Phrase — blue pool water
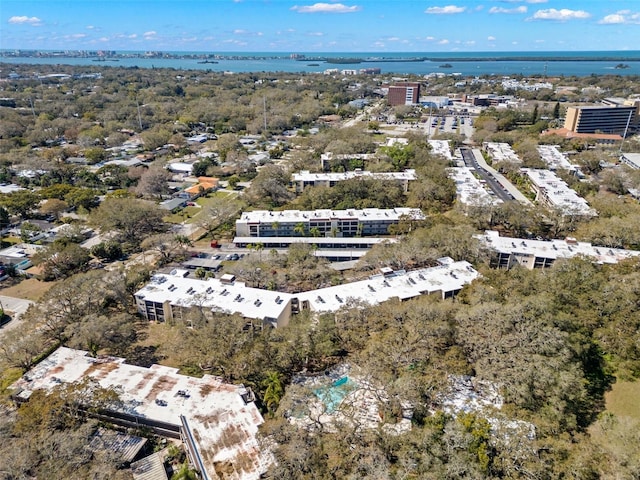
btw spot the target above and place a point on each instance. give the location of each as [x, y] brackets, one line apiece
[333, 395]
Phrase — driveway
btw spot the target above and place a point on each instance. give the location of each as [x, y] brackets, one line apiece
[16, 307]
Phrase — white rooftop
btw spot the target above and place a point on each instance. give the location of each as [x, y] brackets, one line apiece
[558, 193]
[555, 249]
[501, 152]
[217, 294]
[180, 167]
[631, 159]
[448, 277]
[223, 424]
[555, 159]
[441, 147]
[368, 214]
[231, 296]
[307, 176]
[469, 188]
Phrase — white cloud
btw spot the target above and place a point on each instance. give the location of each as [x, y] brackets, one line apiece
[24, 20]
[315, 34]
[240, 31]
[449, 9]
[89, 27]
[444, 41]
[75, 36]
[133, 35]
[621, 17]
[520, 9]
[491, 38]
[561, 15]
[393, 39]
[430, 38]
[326, 8]
[149, 34]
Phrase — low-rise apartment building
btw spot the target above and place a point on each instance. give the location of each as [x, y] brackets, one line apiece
[543, 253]
[170, 296]
[306, 179]
[554, 192]
[501, 152]
[556, 160]
[322, 223]
[218, 422]
[442, 148]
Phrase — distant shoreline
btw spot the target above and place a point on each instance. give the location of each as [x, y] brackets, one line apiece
[400, 63]
[342, 58]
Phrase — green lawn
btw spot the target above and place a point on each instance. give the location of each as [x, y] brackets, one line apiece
[190, 214]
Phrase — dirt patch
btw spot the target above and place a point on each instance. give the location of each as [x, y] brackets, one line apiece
[163, 384]
[31, 289]
[100, 370]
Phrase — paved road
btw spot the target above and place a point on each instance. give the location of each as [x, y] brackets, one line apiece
[470, 161]
[502, 187]
[15, 308]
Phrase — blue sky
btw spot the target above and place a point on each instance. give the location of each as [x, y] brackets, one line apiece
[321, 26]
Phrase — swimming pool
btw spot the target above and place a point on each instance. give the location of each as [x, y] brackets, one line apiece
[333, 395]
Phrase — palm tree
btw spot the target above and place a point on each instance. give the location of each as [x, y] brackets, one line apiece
[259, 247]
[274, 390]
[299, 229]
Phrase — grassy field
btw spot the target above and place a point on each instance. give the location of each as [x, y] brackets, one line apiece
[31, 289]
[622, 400]
[615, 432]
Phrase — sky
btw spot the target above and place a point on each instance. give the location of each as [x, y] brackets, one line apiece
[299, 26]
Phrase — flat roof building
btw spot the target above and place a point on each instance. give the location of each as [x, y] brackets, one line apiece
[306, 179]
[169, 296]
[404, 93]
[601, 119]
[326, 223]
[554, 192]
[543, 253]
[631, 160]
[501, 152]
[442, 148]
[556, 160]
[217, 421]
